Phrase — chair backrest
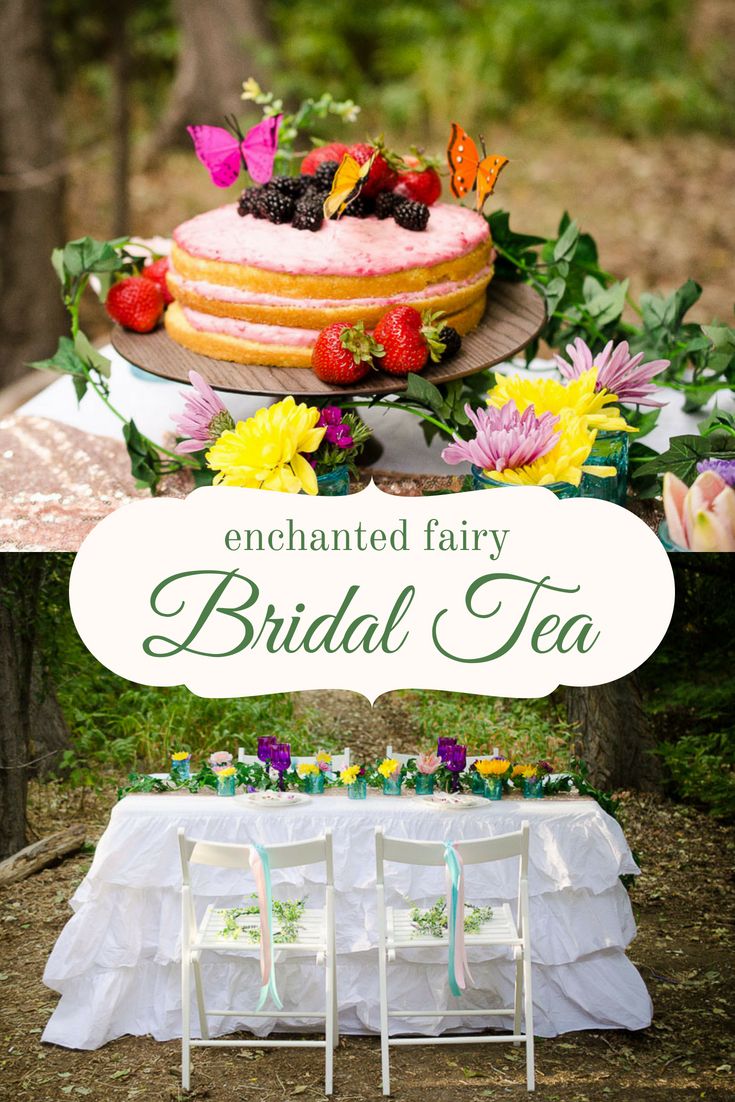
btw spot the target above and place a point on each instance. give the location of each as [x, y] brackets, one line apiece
[474, 851]
[233, 855]
[340, 759]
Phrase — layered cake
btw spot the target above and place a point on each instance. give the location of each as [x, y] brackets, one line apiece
[258, 291]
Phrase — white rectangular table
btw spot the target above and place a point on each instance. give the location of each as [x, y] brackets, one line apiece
[116, 963]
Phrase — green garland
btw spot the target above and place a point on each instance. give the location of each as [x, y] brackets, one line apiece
[287, 915]
[434, 921]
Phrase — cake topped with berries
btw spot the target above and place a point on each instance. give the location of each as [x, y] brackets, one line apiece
[256, 282]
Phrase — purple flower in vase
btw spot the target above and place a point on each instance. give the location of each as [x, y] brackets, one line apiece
[338, 431]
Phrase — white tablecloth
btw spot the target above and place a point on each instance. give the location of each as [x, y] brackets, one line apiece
[116, 963]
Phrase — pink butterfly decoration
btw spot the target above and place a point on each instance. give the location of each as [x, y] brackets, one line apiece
[222, 154]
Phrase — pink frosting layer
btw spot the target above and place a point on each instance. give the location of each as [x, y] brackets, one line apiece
[249, 331]
[222, 293]
[349, 246]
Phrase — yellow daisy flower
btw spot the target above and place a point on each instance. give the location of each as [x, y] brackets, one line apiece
[388, 767]
[307, 769]
[266, 452]
[349, 775]
[492, 767]
[181, 755]
[577, 397]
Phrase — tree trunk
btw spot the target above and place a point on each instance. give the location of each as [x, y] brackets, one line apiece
[218, 51]
[31, 192]
[20, 580]
[615, 738]
[120, 118]
[49, 732]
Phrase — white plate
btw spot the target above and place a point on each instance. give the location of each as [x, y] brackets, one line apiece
[272, 799]
[453, 801]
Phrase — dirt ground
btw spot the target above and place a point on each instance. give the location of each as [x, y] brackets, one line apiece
[684, 906]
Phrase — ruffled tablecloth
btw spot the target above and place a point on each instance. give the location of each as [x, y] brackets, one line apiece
[116, 963]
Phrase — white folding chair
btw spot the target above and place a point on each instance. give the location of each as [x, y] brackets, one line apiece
[316, 935]
[396, 931]
[340, 760]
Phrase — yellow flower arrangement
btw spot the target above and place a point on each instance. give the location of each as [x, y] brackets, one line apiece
[181, 755]
[266, 452]
[307, 769]
[323, 758]
[229, 771]
[492, 767]
[524, 771]
[388, 767]
[349, 775]
[582, 414]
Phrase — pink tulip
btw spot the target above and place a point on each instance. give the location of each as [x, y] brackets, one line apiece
[428, 763]
[702, 516]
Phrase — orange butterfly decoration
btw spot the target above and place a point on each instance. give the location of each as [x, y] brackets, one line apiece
[467, 170]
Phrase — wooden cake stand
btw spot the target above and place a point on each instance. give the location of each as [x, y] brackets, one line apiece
[514, 316]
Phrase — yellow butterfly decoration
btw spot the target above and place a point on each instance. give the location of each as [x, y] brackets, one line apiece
[346, 186]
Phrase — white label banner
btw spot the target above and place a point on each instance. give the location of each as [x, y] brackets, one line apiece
[236, 592]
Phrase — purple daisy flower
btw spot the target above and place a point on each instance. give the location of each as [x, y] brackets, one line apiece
[725, 468]
[338, 431]
[204, 417]
[618, 372]
[505, 438]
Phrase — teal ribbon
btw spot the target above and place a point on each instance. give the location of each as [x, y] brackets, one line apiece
[455, 871]
[268, 988]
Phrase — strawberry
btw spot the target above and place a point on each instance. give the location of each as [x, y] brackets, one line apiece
[408, 338]
[344, 353]
[335, 151]
[381, 176]
[135, 303]
[420, 184]
[157, 272]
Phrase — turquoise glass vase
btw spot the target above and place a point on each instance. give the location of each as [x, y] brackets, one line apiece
[335, 483]
[482, 481]
[424, 784]
[392, 786]
[226, 785]
[180, 770]
[493, 788]
[314, 783]
[358, 789]
[610, 449]
[666, 540]
[477, 783]
[533, 788]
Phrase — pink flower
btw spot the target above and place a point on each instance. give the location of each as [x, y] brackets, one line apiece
[623, 375]
[505, 438]
[220, 759]
[428, 763]
[203, 419]
[700, 517]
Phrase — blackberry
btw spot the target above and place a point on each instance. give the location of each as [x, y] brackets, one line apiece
[362, 207]
[256, 205]
[325, 173]
[385, 204]
[293, 186]
[246, 201]
[308, 214]
[411, 215]
[451, 340]
[314, 192]
[278, 207]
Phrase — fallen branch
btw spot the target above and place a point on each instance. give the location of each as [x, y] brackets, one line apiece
[39, 854]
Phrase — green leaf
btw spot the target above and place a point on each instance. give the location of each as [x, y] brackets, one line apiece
[144, 464]
[719, 420]
[554, 293]
[86, 255]
[57, 263]
[644, 422]
[94, 359]
[424, 392]
[566, 246]
[605, 304]
[684, 452]
[65, 360]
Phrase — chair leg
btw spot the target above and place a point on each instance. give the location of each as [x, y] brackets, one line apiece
[328, 1024]
[197, 970]
[384, 1046]
[518, 1001]
[185, 1021]
[335, 1012]
[528, 1006]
